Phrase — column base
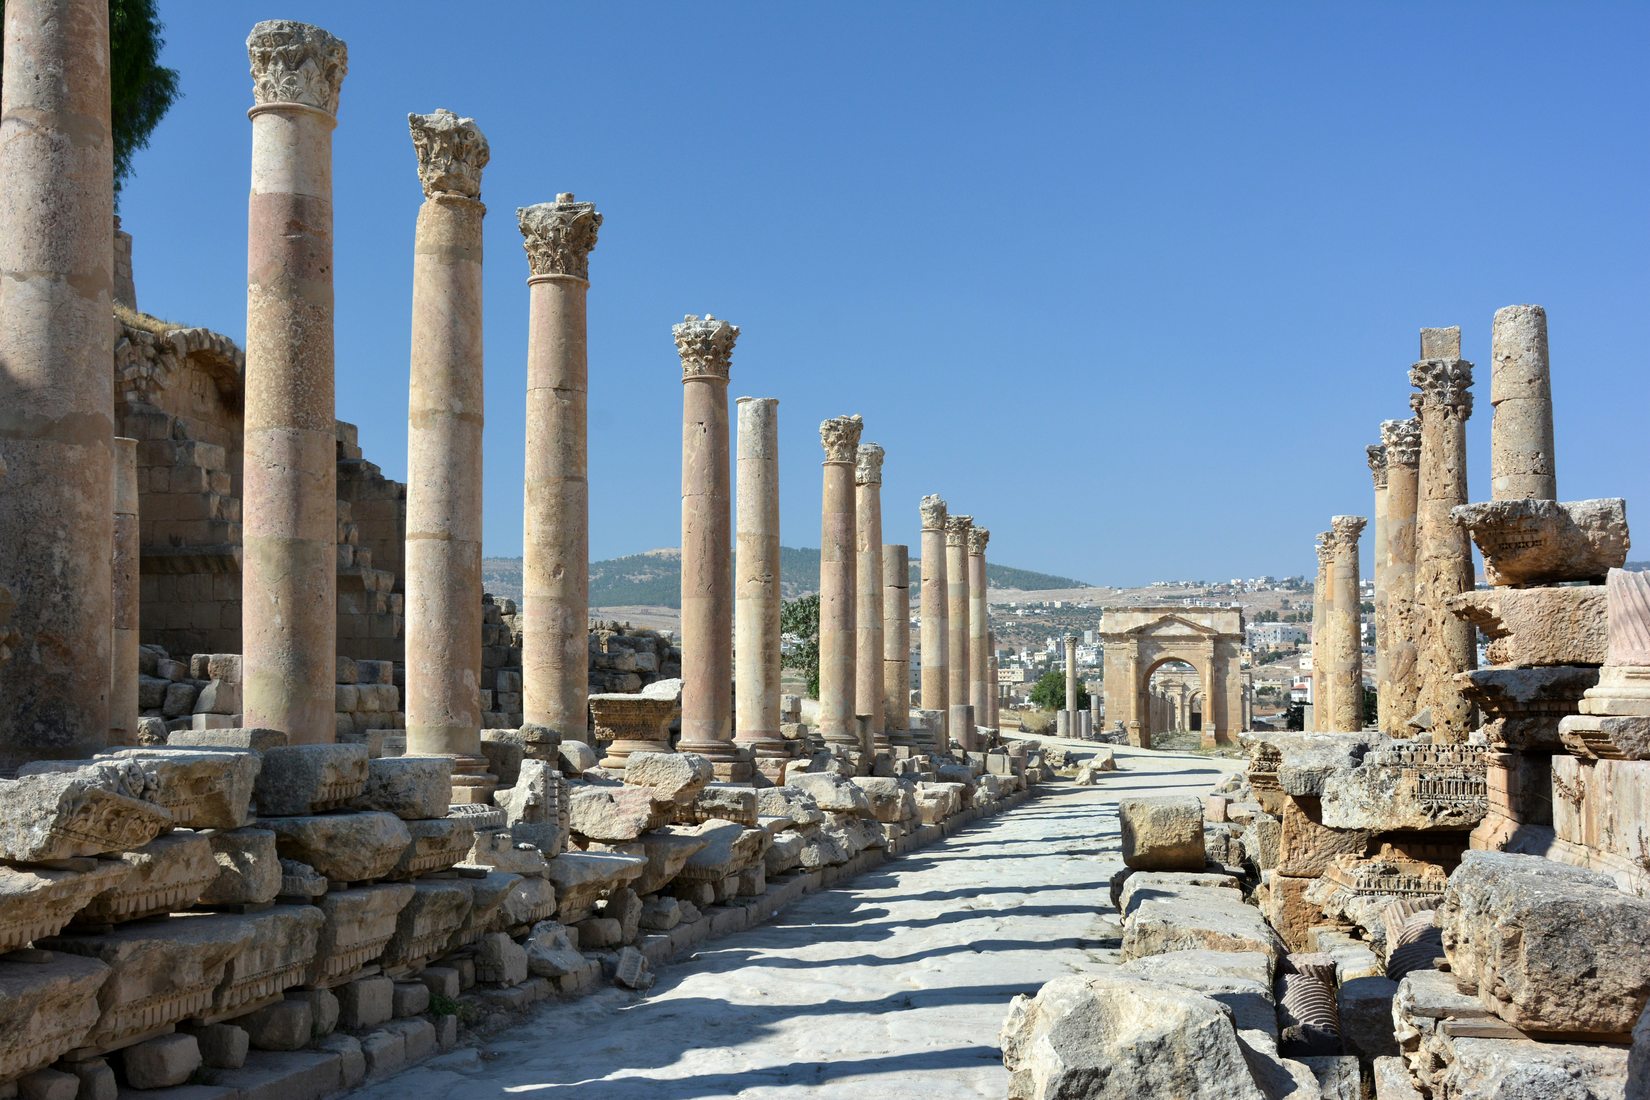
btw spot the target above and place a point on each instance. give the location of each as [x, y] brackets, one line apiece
[472, 782]
[620, 749]
[731, 763]
[764, 745]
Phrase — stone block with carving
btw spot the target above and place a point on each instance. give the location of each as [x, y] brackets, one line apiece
[37, 901]
[537, 808]
[346, 847]
[1409, 785]
[201, 790]
[719, 802]
[614, 814]
[892, 802]
[551, 952]
[1525, 705]
[1531, 627]
[1546, 541]
[359, 922]
[437, 844]
[410, 787]
[833, 793]
[310, 779]
[729, 849]
[1163, 833]
[583, 878]
[674, 777]
[168, 874]
[666, 850]
[1307, 845]
[795, 805]
[426, 925]
[487, 897]
[49, 1003]
[1606, 737]
[84, 812]
[276, 958]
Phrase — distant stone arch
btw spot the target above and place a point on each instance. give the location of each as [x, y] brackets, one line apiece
[1139, 640]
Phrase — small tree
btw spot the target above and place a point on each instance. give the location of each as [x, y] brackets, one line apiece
[801, 618]
[1049, 691]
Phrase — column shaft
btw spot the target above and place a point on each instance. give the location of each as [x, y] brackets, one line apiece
[896, 643]
[868, 637]
[1400, 689]
[837, 586]
[1383, 644]
[935, 632]
[123, 691]
[1071, 680]
[756, 581]
[1522, 463]
[959, 659]
[1321, 688]
[979, 627]
[1343, 643]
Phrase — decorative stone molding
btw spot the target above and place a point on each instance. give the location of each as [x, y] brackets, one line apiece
[1376, 453]
[706, 346]
[932, 509]
[977, 538]
[1402, 442]
[558, 237]
[840, 437]
[1445, 385]
[868, 464]
[956, 530]
[1344, 532]
[295, 62]
[451, 152]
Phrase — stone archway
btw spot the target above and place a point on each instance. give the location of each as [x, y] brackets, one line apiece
[1139, 640]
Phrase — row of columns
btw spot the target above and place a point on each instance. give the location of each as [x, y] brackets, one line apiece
[959, 662]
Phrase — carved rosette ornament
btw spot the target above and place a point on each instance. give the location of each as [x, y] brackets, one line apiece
[977, 538]
[868, 464]
[558, 236]
[932, 508]
[956, 530]
[1445, 385]
[706, 346]
[840, 437]
[1402, 440]
[1377, 463]
[1344, 531]
[296, 63]
[451, 151]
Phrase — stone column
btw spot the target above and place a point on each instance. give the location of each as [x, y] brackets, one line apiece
[1343, 648]
[123, 689]
[555, 570]
[1320, 606]
[896, 644]
[1522, 464]
[56, 382]
[994, 690]
[1071, 681]
[1443, 558]
[957, 612]
[837, 590]
[1400, 687]
[289, 578]
[1378, 472]
[706, 349]
[868, 638]
[756, 600]
[444, 418]
[979, 626]
[935, 631]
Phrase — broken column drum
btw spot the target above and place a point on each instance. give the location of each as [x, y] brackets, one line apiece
[756, 606]
[1522, 462]
[869, 641]
[934, 632]
[1399, 688]
[837, 564]
[979, 627]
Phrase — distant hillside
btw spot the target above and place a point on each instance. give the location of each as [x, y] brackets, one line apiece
[653, 578]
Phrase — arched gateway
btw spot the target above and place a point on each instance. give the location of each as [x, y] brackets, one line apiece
[1138, 640]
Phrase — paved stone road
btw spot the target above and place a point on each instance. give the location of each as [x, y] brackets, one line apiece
[891, 986]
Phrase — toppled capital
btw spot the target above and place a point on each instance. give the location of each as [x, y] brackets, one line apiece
[1376, 453]
[932, 509]
[705, 345]
[1445, 386]
[868, 464]
[558, 236]
[956, 530]
[451, 152]
[1402, 440]
[977, 538]
[840, 437]
[295, 62]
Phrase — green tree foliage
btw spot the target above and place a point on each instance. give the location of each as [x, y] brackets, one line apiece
[801, 618]
[1050, 691]
[141, 89]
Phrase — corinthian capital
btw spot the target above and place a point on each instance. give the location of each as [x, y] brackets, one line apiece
[1344, 532]
[705, 345]
[840, 437]
[1377, 463]
[956, 530]
[868, 464]
[1402, 440]
[1325, 547]
[977, 538]
[558, 236]
[932, 509]
[296, 63]
[1445, 385]
[451, 151]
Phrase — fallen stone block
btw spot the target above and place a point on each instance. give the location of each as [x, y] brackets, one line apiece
[487, 897]
[1309, 841]
[501, 960]
[297, 780]
[614, 814]
[1240, 980]
[49, 1004]
[437, 844]
[551, 951]
[284, 1025]
[1532, 627]
[784, 853]
[660, 914]
[167, 874]
[676, 777]
[832, 793]
[410, 787]
[583, 878]
[1197, 918]
[1163, 833]
[36, 902]
[1525, 705]
[1521, 1069]
[365, 1003]
[537, 807]
[222, 1046]
[1132, 887]
[347, 847]
[161, 1062]
[892, 801]
[426, 925]
[235, 737]
[527, 902]
[85, 812]
[249, 868]
[201, 790]
[359, 922]
[788, 802]
[276, 957]
[1546, 541]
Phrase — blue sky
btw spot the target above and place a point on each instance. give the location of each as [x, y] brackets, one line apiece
[1132, 283]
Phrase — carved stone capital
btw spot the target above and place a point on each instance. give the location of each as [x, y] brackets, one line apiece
[295, 62]
[868, 464]
[1402, 440]
[840, 437]
[977, 538]
[956, 530]
[451, 152]
[1325, 547]
[1376, 453]
[1344, 532]
[705, 345]
[932, 509]
[558, 236]
[1445, 386]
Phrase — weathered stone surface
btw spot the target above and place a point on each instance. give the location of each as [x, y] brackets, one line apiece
[719, 802]
[891, 801]
[359, 922]
[551, 951]
[1548, 947]
[672, 777]
[666, 850]
[500, 852]
[249, 869]
[1139, 885]
[426, 924]
[614, 814]
[201, 790]
[501, 960]
[276, 958]
[1163, 833]
[729, 849]
[307, 779]
[527, 902]
[169, 873]
[410, 787]
[1197, 918]
[85, 812]
[1546, 541]
[161, 1062]
[49, 1004]
[832, 793]
[37, 902]
[284, 1025]
[791, 803]
[487, 897]
[537, 806]
[1240, 980]
[1601, 737]
[784, 853]
[347, 847]
[1525, 705]
[437, 844]
[1289, 910]
[1303, 762]
[583, 878]
[1114, 1036]
[1519, 1069]
[258, 740]
[366, 1002]
[1407, 785]
[1531, 627]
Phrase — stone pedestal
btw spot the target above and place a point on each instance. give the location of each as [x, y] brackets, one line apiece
[706, 349]
[979, 627]
[868, 637]
[555, 576]
[289, 577]
[631, 724]
[935, 636]
[1343, 636]
[896, 644]
[1377, 471]
[444, 419]
[838, 723]
[56, 388]
[123, 682]
[958, 658]
[756, 582]
[1522, 462]
[1399, 688]
[1445, 643]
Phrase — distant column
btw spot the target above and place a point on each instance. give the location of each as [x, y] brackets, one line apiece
[979, 627]
[1383, 645]
[868, 637]
[896, 643]
[1401, 687]
[935, 631]
[1343, 640]
[443, 558]
[706, 349]
[555, 646]
[756, 596]
[994, 695]
[1443, 560]
[123, 692]
[963, 718]
[837, 722]
[289, 578]
[1321, 690]
[1522, 463]
[1071, 683]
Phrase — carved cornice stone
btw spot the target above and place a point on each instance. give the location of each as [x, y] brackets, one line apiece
[977, 538]
[868, 464]
[1445, 386]
[840, 437]
[932, 509]
[956, 530]
[1376, 453]
[295, 62]
[706, 346]
[1344, 532]
[451, 152]
[1402, 440]
[558, 236]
